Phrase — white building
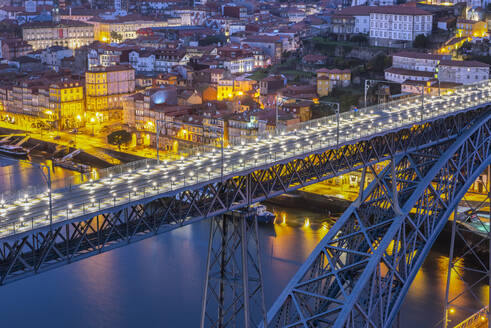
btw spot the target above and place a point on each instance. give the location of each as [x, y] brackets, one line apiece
[142, 62]
[393, 25]
[362, 24]
[399, 75]
[463, 72]
[52, 56]
[417, 61]
[242, 64]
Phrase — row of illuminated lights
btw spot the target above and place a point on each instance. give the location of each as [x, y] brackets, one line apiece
[69, 208]
[310, 141]
[483, 318]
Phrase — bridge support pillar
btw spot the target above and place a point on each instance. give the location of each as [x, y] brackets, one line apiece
[468, 267]
[233, 291]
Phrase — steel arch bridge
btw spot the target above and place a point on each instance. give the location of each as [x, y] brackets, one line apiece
[360, 272]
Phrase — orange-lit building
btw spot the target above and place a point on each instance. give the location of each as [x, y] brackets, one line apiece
[471, 28]
[67, 103]
[106, 88]
[327, 79]
[119, 28]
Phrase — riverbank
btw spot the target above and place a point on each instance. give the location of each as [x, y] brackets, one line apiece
[323, 204]
[96, 157]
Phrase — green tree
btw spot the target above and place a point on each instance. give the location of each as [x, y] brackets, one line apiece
[213, 39]
[119, 138]
[116, 36]
[421, 41]
[360, 39]
[378, 64]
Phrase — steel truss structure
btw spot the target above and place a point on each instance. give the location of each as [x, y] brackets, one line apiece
[360, 272]
[34, 251]
[468, 265]
[233, 294]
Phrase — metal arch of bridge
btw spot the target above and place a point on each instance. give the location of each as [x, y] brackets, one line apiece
[32, 252]
[360, 272]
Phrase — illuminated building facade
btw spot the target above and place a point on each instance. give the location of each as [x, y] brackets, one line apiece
[327, 79]
[106, 88]
[225, 89]
[119, 28]
[66, 33]
[471, 28]
[67, 103]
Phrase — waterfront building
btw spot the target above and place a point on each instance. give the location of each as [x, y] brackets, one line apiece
[106, 88]
[67, 103]
[142, 111]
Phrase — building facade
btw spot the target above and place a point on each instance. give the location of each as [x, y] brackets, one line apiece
[70, 34]
[106, 88]
[118, 28]
[463, 72]
[67, 103]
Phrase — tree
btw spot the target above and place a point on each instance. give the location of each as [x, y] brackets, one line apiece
[119, 137]
[465, 48]
[213, 39]
[360, 39]
[116, 36]
[378, 64]
[421, 41]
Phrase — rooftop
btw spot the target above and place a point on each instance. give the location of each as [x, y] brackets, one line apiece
[60, 24]
[367, 10]
[463, 63]
[418, 55]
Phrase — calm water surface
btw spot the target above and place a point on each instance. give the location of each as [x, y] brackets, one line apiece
[158, 282]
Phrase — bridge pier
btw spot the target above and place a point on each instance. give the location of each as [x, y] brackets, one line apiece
[470, 241]
[234, 281]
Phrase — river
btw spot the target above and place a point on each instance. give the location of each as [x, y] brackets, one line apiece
[158, 282]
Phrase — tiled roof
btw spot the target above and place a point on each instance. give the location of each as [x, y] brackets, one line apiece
[463, 63]
[417, 55]
[367, 10]
[62, 23]
[409, 72]
[262, 38]
[333, 71]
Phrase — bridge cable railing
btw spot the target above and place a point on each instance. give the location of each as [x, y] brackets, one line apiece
[67, 184]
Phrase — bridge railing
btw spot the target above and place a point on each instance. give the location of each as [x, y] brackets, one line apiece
[476, 320]
[70, 182]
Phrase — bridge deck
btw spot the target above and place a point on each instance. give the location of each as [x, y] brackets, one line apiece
[27, 211]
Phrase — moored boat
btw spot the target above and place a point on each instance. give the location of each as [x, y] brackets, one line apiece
[13, 150]
[262, 214]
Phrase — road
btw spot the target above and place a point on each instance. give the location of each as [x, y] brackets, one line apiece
[23, 211]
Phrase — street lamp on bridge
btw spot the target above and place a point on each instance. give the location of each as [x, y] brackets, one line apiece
[331, 104]
[162, 124]
[47, 178]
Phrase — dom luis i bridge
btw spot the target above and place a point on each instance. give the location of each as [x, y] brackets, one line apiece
[433, 149]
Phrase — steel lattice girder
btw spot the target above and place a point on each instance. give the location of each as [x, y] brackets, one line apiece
[233, 293]
[31, 252]
[360, 272]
